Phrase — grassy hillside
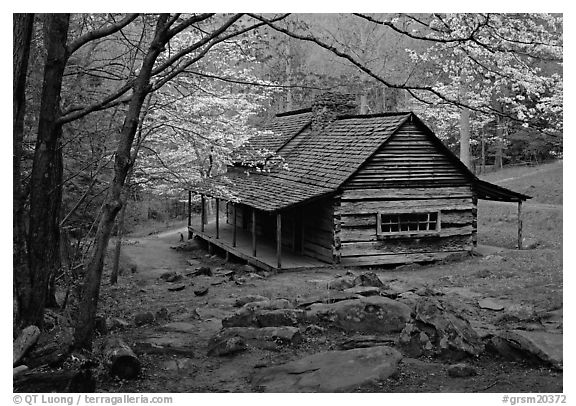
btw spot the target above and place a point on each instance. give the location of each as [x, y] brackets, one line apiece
[543, 182]
[497, 222]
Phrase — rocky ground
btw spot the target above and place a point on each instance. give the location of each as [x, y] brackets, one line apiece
[490, 323]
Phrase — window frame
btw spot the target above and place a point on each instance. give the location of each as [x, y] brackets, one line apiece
[407, 233]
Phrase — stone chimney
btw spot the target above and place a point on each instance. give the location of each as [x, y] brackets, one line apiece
[327, 106]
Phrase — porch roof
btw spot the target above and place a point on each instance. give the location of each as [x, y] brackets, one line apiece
[489, 191]
[269, 193]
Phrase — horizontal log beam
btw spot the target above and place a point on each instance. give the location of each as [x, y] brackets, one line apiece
[405, 206]
[369, 234]
[396, 259]
[408, 193]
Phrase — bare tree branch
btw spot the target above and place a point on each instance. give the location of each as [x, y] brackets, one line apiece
[100, 33]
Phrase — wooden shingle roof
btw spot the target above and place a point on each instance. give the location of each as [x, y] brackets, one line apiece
[280, 130]
[267, 192]
[319, 162]
[327, 158]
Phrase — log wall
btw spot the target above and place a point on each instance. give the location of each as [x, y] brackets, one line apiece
[408, 174]
[408, 159]
[359, 240]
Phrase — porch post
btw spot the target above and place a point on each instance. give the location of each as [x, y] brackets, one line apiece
[217, 218]
[234, 225]
[519, 224]
[253, 232]
[294, 229]
[189, 214]
[202, 212]
[279, 239]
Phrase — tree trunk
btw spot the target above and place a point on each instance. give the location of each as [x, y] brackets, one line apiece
[23, 25]
[483, 154]
[45, 180]
[364, 103]
[91, 285]
[118, 248]
[499, 153]
[465, 136]
[289, 98]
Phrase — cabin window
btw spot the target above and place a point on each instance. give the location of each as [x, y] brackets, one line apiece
[408, 223]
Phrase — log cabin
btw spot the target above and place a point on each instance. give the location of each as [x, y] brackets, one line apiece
[351, 190]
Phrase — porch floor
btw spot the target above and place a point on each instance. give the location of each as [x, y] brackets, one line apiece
[265, 249]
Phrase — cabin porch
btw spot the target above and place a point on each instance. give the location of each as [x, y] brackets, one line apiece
[266, 255]
[268, 240]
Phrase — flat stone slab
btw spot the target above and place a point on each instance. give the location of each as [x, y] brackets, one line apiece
[332, 371]
[548, 347]
[180, 327]
[490, 304]
[363, 290]
[373, 314]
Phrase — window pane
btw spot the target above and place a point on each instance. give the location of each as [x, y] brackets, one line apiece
[408, 222]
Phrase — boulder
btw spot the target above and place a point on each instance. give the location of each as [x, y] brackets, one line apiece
[519, 313]
[218, 281]
[162, 314]
[437, 330]
[201, 291]
[203, 270]
[410, 299]
[255, 335]
[179, 365]
[265, 313]
[536, 346]
[313, 329]
[177, 288]
[427, 291]
[171, 276]
[368, 279]
[461, 370]
[143, 318]
[280, 317]
[275, 304]
[221, 346]
[415, 342]
[116, 323]
[331, 371]
[241, 318]
[174, 278]
[530, 243]
[374, 314]
[363, 290]
[341, 283]
[241, 301]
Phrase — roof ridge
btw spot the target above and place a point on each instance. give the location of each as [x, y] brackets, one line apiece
[294, 112]
[374, 115]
